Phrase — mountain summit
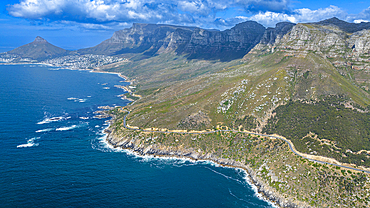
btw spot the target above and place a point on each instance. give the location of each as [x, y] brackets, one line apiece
[39, 39]
[345, 26]
[39, 49]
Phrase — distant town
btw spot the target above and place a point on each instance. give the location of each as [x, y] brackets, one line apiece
[88, 61]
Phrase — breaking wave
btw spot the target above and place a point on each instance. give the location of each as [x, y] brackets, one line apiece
[49, 120]
[44, 130]
[53, 119]
[66, 128]
[30, 143]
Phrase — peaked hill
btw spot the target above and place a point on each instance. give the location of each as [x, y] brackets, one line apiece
[39, 49]
[345, 26]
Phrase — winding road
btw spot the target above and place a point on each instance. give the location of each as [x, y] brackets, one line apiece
[258, 134]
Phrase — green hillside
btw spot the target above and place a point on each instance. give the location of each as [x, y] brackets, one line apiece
[246, 94]
[309, 85]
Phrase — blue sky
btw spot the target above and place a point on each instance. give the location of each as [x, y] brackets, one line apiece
[74, 24]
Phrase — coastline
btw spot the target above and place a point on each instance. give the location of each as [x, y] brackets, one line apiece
[27, 63]
[262, 190]
[228, 164]
[95, 70]
[64, 67]
[259, 187]
[88, 146]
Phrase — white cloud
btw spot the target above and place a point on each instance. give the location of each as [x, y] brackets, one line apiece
[194, 7]
[265, 5]
[271, 18]
[95, 26]
[360, 20]
[299, 15]
[202, 13]
[85, 10]
[133, 10]
[36, 9]
[364, 15]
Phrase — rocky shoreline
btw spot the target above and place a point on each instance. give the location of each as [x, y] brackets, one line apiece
[158, 150]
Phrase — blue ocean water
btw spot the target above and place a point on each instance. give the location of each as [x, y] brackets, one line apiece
[52, 151]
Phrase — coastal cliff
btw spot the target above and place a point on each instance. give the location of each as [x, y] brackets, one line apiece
[158, 150]
[279, 175]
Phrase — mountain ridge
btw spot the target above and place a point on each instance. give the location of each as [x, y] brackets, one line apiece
[196, 43]
[345, 26]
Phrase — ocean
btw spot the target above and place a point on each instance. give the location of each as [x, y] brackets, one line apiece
[53, 154]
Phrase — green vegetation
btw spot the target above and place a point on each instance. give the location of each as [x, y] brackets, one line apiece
[318, 99]
[346, 131]
[247, 123]
[270, 160]
[132, 97]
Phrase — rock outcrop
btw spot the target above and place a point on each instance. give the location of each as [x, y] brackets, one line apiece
[196, 121]
[360, 42]
[345, 45]
[273, 35]
[330, 37]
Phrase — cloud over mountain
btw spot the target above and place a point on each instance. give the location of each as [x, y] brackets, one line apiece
[299, 15]
[203, 13]
[87, 11]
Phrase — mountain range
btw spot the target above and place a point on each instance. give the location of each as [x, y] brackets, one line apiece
[307, 82]
[262, 70]
[293, 74]
[196, 43]
[193, 42]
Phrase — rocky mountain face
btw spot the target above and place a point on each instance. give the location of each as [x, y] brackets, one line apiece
[196, 43]
[306, 82]
[39, 49]
[273, 35]
[140, 38]
[345, 45]
[333, 38]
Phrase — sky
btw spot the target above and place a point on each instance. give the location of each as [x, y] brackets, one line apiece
[75, 24]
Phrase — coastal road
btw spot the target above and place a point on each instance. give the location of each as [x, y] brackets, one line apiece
[291, 147]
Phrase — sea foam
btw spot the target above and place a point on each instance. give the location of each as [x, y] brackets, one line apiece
[44, 130]
[30, 143]
[72, 98]
[180, 161]
[49, 120]
[66, 128]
